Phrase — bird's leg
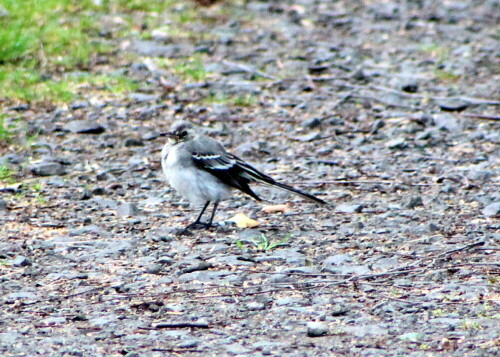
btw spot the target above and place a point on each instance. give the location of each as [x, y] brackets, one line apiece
[197, 223]
[209, 224]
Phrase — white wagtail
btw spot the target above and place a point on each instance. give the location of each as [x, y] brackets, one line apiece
[202, 171]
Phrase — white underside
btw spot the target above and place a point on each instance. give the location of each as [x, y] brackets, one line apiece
[195, 185]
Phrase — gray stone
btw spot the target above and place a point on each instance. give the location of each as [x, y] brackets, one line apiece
[447, 122]
[255, 306]
[316, 329]
[308, 137]
[311, 123]
[154, 269]
[190, 343]
[414, 202]
[492, 210]
[133, 142]
[3, 205]
[411, 336]
[348, 208]
[142, 97]
[85, 127]
[47, 168]
[128, 209]
[236, 349]
[398, 143]
[20, 261]
[452, 105]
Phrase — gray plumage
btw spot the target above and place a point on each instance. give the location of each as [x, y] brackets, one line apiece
[202, 171]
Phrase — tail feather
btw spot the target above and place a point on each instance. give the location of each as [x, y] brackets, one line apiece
[294, 190]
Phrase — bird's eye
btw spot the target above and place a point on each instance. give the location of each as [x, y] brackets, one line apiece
[184, 133]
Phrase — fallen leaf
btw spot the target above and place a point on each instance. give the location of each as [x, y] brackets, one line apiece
[243, 221]
[284, 208]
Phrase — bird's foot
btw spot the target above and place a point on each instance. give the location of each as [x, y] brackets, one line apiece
[199, 225]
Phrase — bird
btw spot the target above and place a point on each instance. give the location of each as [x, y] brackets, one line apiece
[200, 170]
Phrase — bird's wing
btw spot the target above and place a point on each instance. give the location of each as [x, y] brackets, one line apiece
[211, 156]
[226, 168]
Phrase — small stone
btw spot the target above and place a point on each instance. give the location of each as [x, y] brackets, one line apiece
[3, 205]
[447, 122]
[311, 123]
[133, 142]
[84, 127]
[98, 191]
[20, 261]
[452, 105]
[85, 195]
[255, 306]
[410, 86]
[376, 126]
[142, 97]
[415, 202]
[316, 329]
[492, 210]
[411, 336]
[347, 208]
[47, 169]
[154, 269]
[128, 209]
[79, 104]
[188, 343]
[398, 143]
[308, 137]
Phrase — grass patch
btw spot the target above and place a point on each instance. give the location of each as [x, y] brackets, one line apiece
[6, 131]
[6, 174]
[262, 243]
[445, 76]
[440, 53]
[190, 70]
[244, 100]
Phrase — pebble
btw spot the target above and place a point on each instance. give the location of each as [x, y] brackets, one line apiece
[128, 209]
[398, 143]
[20, 261]
[142, 97]
[133, 142]
[47, 169]
[492, 210]
[316, 329]
[348, 208]
[414, 202]
[85, 127]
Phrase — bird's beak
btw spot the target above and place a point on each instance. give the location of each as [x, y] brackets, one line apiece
[172, 138]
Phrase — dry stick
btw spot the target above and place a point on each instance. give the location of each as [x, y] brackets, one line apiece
[465, 247]
[248, 69]
[484, 117]
[419, 96]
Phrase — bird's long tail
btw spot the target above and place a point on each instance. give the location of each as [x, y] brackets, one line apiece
[294, 190]
[252, 174]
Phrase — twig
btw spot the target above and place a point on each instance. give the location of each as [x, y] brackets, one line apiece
[248, 69]
[64, 297]
[419, 96]
[465, 247]
[484, 117]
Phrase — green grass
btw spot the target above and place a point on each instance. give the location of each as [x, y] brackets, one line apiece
[190, 70]
[6, 174]
[244, 100]
[262, 243]
[6, 131]
[41, 40]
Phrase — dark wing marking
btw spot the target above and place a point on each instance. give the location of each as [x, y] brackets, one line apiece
[225, 169]
[234, 172]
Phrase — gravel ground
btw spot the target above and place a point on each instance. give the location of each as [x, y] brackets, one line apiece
[387, 110]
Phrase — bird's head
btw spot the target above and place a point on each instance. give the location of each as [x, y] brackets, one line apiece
[181, 131]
